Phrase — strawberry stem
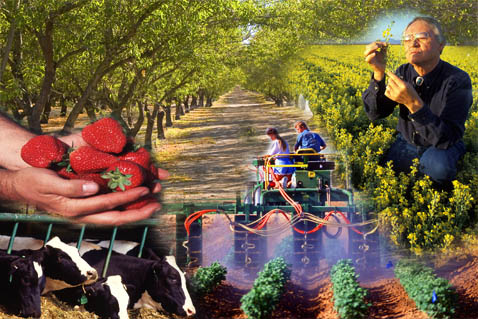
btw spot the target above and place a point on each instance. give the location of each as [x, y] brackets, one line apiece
[117, 179]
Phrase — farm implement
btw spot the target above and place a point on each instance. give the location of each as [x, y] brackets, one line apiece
[312, 210]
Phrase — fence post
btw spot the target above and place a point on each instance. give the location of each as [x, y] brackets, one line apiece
[12, 238]
[110, 251]
[143, 240]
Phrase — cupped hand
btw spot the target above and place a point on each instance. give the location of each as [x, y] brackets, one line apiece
[402, 92]
[76, 199]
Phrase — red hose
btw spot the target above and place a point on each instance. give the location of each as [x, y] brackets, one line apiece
[194, 216]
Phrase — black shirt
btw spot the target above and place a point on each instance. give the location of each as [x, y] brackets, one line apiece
[447, 96]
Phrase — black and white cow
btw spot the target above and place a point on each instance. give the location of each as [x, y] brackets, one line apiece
[61, 263]
[158, 284]
[21, 282]
[130, 248]
[107, 297]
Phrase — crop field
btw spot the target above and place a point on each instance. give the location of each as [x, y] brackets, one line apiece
[333, 79]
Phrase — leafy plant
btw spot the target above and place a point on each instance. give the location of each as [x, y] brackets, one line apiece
[348, 295]
[207, 278]
[262, 299]
[432, 294]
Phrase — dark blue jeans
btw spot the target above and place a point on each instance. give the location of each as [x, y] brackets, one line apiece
[437, 163]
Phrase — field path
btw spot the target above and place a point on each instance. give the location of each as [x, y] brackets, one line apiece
[209, 155]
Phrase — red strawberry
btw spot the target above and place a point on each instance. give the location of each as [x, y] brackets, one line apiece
[124, 175]
[43, 151]
[154, 170]
[95, 177]
[151, 175]
[68, 174]
[86, 159]
[140, 156]
[105, 135]
[140, 202]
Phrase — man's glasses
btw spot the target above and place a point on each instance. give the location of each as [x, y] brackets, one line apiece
[420, 36]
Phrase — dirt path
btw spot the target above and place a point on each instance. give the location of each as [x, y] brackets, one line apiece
[210, 150]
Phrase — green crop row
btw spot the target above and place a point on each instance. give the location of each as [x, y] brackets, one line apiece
[262, 299]
[348, 295]
[432, 294]
[207, 278]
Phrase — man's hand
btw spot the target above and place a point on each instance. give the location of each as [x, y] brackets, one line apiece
[376, 56]
[73, 140]
[403, 93]
[45, 189]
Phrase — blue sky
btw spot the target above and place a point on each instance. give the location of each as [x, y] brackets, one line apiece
[401, 18]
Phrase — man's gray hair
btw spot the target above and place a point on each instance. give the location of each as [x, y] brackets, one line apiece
[434, 24]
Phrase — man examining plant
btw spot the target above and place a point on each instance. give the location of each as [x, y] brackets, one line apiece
[434, 98]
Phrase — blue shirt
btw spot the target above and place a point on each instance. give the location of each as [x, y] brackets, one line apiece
[308, 139]
[447, 96]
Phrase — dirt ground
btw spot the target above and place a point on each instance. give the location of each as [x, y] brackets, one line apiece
[387, 297]
[211, 157]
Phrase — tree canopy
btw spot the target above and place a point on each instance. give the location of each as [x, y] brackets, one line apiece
[121, 55]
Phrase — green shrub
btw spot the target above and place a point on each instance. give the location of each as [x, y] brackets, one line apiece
[432, 294]
[207, 278]
[348, 295]
[262, 299]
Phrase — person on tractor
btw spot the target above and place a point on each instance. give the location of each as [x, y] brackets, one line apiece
[280, 146]
[308, 140]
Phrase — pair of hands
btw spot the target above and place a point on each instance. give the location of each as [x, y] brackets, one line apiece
[76, 199]
[397, 90]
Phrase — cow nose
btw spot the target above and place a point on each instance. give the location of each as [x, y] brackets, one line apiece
[190, 312]
[92, 274]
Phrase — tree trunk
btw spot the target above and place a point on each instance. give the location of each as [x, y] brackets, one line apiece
[46, 112]
[8, 45]
[80, 104]
[26, 103]
[148, 144]
[46, 45]
[137, 126]
[181, 109]
[64, 108]
[194, 102]
[90, 110]
[201, 100]
[159, 125]
[209, 101]
[279, 101]
[186, 104]
[177, 116]
[129, 115]
[167, 110]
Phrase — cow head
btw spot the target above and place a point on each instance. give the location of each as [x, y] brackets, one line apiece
[108, 298]
[168, 287]
[64, 267]
[27, 282]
